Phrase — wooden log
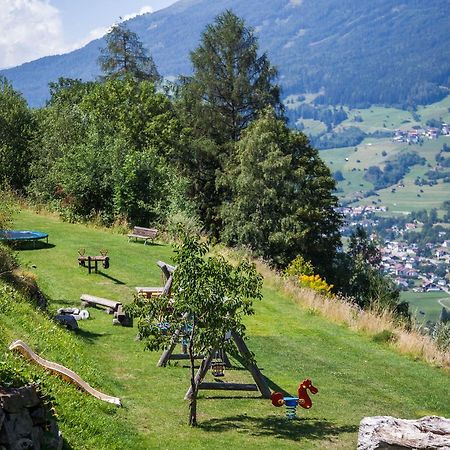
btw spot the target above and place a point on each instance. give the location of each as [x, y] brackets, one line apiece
[229, 386]
[201, 372]
[251, 366]
[180, 356]
[92, 300]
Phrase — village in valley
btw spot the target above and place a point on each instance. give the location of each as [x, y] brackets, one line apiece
[411, 266]
[418, 134]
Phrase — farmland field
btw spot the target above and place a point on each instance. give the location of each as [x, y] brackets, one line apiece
[425, 305]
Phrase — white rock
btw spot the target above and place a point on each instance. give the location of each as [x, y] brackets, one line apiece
[385, 432]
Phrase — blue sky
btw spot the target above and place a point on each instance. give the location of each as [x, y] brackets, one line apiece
[30, 29]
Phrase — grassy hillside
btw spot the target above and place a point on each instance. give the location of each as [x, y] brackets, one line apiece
[356, 376]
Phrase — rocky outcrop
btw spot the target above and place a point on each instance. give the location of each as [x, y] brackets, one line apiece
[385, 432]
[26, 422]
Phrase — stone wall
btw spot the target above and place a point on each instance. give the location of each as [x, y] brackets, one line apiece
[26, 422]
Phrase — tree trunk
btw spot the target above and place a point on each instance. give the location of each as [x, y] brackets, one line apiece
[194, 387]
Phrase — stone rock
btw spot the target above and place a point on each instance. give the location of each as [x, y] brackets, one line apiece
[385, 432]
[13, 400]
[26, 423]
[68, 320]
[62, 311]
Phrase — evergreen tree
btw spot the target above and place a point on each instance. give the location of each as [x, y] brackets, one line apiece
[231, 83]
[125, 55]
[281, 197]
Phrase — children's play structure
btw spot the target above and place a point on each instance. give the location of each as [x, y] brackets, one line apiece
[65, 373]
[291, 403]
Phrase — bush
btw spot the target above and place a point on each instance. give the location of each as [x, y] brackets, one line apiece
[442, 336]
[315, 283]
[182, 221]
[8, 261]
[384, 337]
[299, 266]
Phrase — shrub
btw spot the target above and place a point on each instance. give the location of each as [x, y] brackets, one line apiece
[442, 335]
[299, 266]
[316, 283]
[8, 261]
[385, 336]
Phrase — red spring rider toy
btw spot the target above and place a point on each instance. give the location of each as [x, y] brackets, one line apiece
[278, 399]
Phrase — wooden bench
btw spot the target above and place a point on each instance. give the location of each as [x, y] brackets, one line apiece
[153, 291]
[90, 300]
[148, 234]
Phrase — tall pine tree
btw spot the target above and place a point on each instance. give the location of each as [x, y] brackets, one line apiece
[231, 83]
[125, 55]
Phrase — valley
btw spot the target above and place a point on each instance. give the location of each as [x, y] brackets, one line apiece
[389, 212]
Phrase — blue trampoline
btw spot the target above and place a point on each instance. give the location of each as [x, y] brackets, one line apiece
[22, 235]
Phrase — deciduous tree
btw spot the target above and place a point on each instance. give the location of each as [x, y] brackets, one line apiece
[282, 203]
[16, 128]
[210, 298]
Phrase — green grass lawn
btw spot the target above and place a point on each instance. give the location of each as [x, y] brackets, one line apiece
[356, 377]
[425, 305]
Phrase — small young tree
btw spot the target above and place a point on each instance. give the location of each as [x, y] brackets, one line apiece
[125, 55]
[210, 298]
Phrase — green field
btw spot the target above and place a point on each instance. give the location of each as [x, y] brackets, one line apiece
[356, 376]
[425, 305]
[353, 161]
[390, 119]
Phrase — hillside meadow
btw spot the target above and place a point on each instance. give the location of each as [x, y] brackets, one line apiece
[356, 376]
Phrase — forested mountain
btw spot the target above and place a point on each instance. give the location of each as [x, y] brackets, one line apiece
[359, 51]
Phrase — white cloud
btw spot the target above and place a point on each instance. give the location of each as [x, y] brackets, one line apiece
[30, 29]
[144, 10]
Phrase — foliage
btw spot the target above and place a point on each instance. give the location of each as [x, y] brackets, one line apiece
[210, 298]
[385, 336]
[103, 150]
[231, 83]
[8, 261]
[299, 266]
[316, 283]
[368, 249]
[8, 208]
[16, 128]
[393, 171]
[281, 202]
[125, 55]
[348, 137]
[442, 335]
[330, 116]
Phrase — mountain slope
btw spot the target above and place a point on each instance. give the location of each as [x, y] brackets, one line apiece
[359, 51]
